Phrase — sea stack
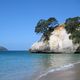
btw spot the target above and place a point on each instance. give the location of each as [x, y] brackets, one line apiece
[64, 38]
[58, 42]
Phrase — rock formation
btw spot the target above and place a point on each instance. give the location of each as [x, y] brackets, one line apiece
[58, 42]
[3, 48]
[40, 46]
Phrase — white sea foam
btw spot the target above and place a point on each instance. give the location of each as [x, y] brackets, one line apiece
[58, 69]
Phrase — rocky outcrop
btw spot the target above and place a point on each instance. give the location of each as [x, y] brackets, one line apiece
[3, 48]
[58, 42]
[78, 50]
[40, 46]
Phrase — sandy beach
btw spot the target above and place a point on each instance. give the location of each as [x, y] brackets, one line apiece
[70, 73]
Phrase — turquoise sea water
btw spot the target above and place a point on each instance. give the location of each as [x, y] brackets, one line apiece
[23, 65]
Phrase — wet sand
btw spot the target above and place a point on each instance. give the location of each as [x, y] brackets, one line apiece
[71, 73]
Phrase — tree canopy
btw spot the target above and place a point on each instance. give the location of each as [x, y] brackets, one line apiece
[72, 26]
[46, 26]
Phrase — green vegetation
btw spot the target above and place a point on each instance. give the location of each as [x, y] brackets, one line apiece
[46, 26]
[72, 26]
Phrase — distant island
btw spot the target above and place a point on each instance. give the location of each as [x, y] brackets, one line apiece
[58, 37]
[3, 48]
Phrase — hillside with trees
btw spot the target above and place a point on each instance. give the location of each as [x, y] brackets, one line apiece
[70, 27]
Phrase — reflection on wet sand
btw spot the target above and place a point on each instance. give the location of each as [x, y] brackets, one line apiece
[51, 61]
[71, 73]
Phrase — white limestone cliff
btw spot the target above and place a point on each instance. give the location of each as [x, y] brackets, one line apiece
[40, 46]
[58, 42]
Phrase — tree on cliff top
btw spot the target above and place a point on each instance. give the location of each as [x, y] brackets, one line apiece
[46, 26]
[72, 26]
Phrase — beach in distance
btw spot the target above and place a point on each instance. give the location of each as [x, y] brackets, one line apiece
[23, 65]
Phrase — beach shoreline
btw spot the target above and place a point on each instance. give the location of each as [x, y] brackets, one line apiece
[67, 72]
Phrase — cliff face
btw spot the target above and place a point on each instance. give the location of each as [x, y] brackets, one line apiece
[58, 42]
[40, 46]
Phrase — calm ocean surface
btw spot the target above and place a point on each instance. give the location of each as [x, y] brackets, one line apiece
[22, 65]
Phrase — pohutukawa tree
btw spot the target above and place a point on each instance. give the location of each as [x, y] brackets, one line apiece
[72, 26]
[46, 26]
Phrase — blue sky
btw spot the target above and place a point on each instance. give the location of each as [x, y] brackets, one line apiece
[18, 19]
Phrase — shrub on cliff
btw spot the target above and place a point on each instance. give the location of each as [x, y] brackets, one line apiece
[72, 26]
